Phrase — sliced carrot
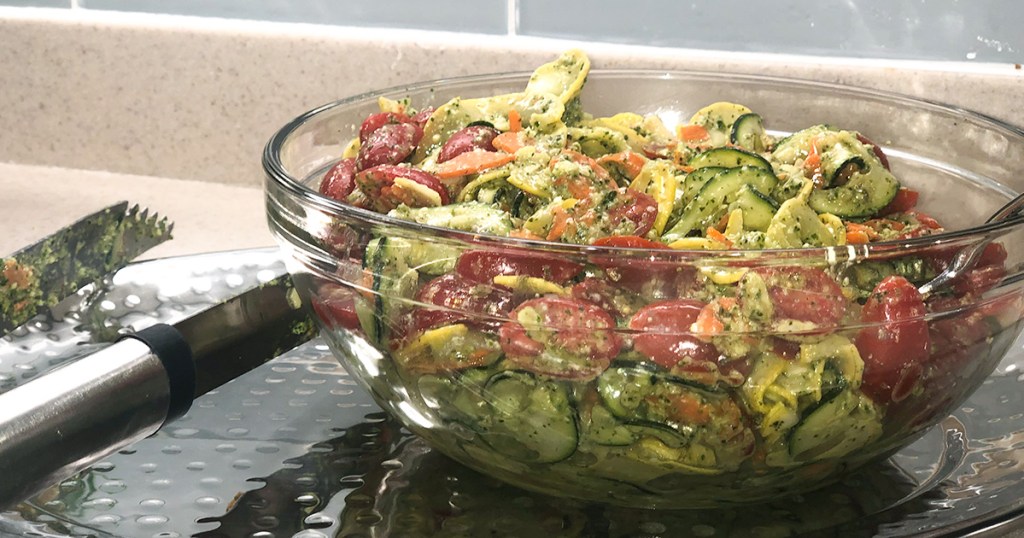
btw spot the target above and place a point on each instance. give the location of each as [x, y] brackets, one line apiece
[690, 410]
[707, 323]
[507, 142]
[718, 236]
[559, 223]
[813, 160]
[630, 161]
[515, 121]
[857, 237]
[853, 227]
[472, 162]
[693, 133]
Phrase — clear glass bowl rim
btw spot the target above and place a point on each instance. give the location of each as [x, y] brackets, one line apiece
[275, 171]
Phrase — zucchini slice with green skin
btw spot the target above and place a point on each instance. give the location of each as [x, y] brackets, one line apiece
[748, 133]
[864, 195]
[758, 208]
[529, 419]
[728, 158]
[719, 119]
[393, 282]
[845, 423]
[693, 182]
[714, 198]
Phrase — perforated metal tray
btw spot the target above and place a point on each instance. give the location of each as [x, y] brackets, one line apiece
[297, 448]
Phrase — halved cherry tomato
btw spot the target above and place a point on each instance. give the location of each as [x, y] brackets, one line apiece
[566, 337]
[905, 200]
[876, 149]
[804, 294]
[340, 180]
[386, 193]
[638, 207]
[461, 301]
[633, 272]
[628, 241]
[378, 120]
[616, 300]
[665, 335]
[335, 306]
[483, 265]
[896, 344]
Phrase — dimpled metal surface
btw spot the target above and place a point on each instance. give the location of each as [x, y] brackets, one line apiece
[297, 448]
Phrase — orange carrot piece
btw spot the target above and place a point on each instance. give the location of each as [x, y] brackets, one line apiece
[857, 237]
[515, 121]
[559, 223]
[813, 160]
[507, 142]
[860, 229]
[693, 133]
[632, 162]
[472, 162]
[718, 236]
[707, 323]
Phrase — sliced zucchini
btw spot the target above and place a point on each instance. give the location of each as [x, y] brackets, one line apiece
[728, 158]
[471, 216]
[693, 182]
[748, 133]
[797, 145]
[719, 118]
[758, 208]
[839, 162]
[847, 422]
[713, 200]
[528, 419]
[605, 429]
[864, 195]
[457, 398]
[393, 282]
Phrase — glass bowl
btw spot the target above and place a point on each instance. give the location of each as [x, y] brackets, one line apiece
[549, 382]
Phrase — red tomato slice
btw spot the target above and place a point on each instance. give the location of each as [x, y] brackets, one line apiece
[896, 344]
[905, 200]
[628, 241]
[569, 338]
[335, 306]
[876, 149]
[665, 335]
[804, 294]
[460, 300]
[617, 301]
[483, 265]
[378, 120]
[637, 207]
[340, 180]
[379, 185]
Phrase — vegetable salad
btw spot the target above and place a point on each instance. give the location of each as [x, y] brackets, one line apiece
[627, 370]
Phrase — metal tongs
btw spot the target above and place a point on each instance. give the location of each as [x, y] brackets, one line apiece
[967, 256]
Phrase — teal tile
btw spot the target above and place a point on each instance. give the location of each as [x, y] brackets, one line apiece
[983, 30]
[483, 16]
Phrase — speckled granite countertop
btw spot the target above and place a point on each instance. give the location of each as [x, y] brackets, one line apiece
[172, 113]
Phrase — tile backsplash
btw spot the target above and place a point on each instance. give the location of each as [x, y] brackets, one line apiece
[949, 30]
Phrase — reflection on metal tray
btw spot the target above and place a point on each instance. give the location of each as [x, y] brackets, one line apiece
[296, 448]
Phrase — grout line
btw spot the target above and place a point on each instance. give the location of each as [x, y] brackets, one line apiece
[512, 16]
[74, 4]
